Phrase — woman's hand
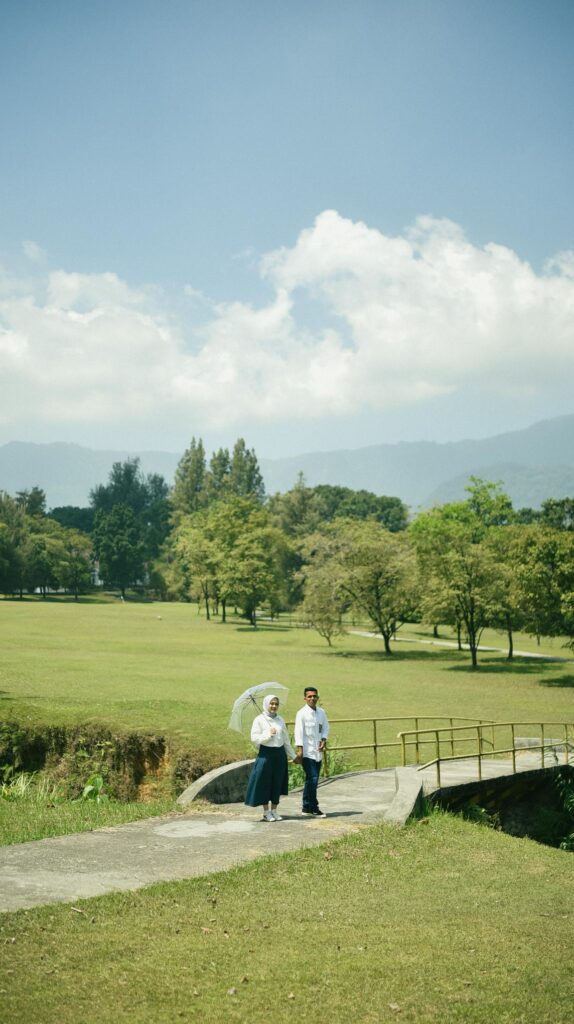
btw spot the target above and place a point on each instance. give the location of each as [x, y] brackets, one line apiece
[273, 730]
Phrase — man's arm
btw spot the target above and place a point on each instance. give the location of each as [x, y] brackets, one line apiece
[298, 736]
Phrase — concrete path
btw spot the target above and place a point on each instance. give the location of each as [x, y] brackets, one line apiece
[178, 846]
[216, 837]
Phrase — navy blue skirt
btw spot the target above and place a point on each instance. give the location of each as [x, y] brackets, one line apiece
[269, 777]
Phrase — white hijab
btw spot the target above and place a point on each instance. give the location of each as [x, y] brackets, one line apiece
[266, 702]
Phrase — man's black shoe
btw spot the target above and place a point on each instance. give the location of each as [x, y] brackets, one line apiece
[318, 813]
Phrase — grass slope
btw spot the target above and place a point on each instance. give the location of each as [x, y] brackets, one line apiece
[442, 921]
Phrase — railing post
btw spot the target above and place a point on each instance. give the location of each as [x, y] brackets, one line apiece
[417, 756]
[437, 747]
[375, 742]
[451, 738]
[403, 749]
[542, 738]
[479, 735]
[513, 750]
[566, 744]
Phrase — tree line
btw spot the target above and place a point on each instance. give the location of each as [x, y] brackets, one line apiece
[325, 552]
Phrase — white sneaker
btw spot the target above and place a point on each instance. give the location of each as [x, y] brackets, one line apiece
[276, 817]
[268, 816]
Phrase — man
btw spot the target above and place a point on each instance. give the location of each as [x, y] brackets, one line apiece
[311, 732]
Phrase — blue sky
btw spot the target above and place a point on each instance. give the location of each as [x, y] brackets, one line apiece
[314, 224]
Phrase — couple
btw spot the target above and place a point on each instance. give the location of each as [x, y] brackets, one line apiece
[269, 777]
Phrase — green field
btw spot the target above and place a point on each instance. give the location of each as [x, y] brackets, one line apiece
[162, 667]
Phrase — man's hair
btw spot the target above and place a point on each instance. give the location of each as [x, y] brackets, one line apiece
[310, 689]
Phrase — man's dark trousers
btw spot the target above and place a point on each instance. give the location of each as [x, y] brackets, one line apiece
[312, 769]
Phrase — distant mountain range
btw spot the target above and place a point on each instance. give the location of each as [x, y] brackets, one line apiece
[533, 464]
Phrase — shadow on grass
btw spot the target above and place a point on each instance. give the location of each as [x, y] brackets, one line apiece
[502, 666]
[396, 656]
[266, 627]
[566, 682]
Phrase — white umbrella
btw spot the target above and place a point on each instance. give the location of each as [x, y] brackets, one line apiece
[249, 705]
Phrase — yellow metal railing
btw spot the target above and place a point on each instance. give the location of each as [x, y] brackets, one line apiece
[485, 738]
[376, 744]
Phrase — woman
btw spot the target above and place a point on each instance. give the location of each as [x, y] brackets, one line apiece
[269, 777]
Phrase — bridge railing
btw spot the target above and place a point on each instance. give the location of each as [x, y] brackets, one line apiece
[383, 737]
[490, 740]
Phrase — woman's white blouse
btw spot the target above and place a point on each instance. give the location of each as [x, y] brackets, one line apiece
[261, 733]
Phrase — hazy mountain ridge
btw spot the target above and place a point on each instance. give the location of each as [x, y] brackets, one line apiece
[533, 464]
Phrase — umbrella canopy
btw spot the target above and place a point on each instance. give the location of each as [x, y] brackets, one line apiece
[250, 704]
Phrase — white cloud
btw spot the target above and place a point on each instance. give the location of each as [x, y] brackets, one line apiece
[405, 319]
[33, 252]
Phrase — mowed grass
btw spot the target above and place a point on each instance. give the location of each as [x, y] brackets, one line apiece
[162, 667]
[443, 921]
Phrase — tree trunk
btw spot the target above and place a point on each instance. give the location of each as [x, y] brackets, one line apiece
[223, 610]
[387, 638]
[510, 638]
[472, 638]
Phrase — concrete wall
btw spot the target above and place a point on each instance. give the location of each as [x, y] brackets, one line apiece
[225, 785]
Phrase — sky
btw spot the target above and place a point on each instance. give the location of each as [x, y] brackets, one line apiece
[314, 224]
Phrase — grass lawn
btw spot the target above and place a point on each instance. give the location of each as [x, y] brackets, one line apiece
[443, 921]
[162, 667]
[26, 820]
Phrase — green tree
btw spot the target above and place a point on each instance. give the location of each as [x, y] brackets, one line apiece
[251, 574]
[118, 546]
[189, 494]
[343, 502]
[296, 512]
[33, 501]
[147, 499]
[230, 553]
[505, 544]
[545, 574]
[245, 478]
[324, 603]
[73, 517]
[488, 503]
[458, 570]
[558, 513]
[126, 486]
[75, 562]
[198, 560]
[15, 544]
[217, 477]
[374, 570]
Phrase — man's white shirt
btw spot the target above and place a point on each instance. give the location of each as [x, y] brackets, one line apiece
[311, 726]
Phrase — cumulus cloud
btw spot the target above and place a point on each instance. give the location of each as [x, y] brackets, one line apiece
[405, 319]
